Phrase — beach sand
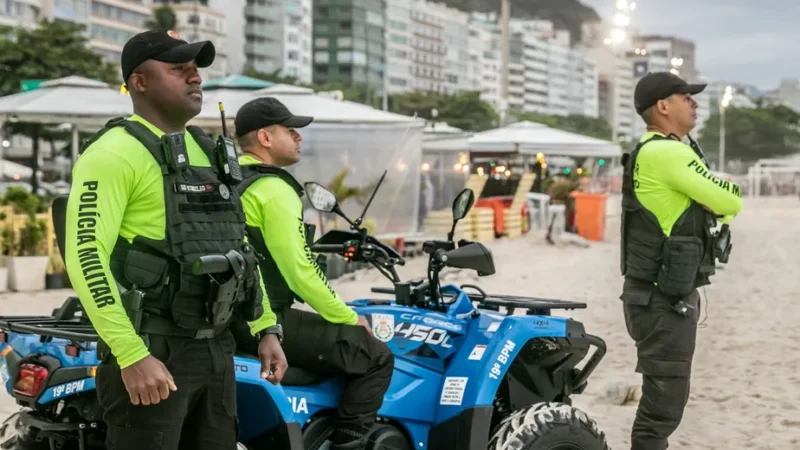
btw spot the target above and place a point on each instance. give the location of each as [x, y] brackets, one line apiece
[746, 379]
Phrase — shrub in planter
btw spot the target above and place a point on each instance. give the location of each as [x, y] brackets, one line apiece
[26, 259]
[56, 273]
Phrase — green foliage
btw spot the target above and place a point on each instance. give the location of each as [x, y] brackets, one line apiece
[463, 110]
[31, 236]
[753, 133]
[163, 18]
[588, 126]
[51, 50]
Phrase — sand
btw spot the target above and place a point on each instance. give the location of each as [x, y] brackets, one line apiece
[746, 382]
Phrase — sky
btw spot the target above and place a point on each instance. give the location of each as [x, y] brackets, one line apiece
[749, 41]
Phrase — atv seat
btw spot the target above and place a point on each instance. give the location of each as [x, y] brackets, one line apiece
[294, 376]
[59, 210]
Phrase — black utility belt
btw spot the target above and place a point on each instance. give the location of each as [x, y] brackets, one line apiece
[153, 324]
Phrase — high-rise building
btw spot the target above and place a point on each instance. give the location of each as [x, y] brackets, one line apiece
[429, 49]
[485, 65]
[546, 75]
[197, 21]
[26, 13]
[455, 24]
[400, 56]
[682, 51]
[349, 42]
[112, 23]
[616, 84]
[277, 37]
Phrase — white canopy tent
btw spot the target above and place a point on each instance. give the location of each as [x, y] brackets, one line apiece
[530, 138]
[84, 104]
[343, 135]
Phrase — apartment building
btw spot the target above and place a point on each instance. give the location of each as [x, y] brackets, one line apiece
[669, 48]
[615, 89]
[196, 20]
[400, 55]
[270, 36]
[485, 62]
[113, 22]
[349, 42]
[546, 76]
[25, 13]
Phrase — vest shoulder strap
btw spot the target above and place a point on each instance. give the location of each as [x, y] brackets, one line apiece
[254, 172]
[205, 142]
[139, 131]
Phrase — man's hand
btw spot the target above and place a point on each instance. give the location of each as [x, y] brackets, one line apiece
[272, 358]
[363, 322]
[148, 381]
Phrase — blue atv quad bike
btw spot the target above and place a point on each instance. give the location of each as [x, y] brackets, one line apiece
[467, 376]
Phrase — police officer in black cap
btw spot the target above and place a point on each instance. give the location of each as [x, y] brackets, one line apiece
[149, 198]
[671, 205]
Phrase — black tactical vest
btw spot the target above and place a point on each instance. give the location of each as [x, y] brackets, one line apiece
[678, 263]
[278, 291]
[203, 216]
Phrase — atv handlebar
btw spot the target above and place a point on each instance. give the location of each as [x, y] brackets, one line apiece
[328, 248]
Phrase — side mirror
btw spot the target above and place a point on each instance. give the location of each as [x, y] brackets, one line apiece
[474, 255]
[461, 206]
[320, 197]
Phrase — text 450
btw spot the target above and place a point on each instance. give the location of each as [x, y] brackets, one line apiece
[502, 360]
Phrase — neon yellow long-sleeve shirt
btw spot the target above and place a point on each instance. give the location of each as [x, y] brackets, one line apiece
[273, 207]
[118, 190]
[669, 175]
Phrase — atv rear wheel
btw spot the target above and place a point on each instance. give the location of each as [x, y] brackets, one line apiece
[15, 436]
[548, 426]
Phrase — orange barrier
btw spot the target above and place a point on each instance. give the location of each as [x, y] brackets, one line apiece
[590, 215]
[496, 204]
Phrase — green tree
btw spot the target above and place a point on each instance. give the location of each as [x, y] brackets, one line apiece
[753, 133]
[52, 50]
[463, 110]
[163, 18]
[573, 123]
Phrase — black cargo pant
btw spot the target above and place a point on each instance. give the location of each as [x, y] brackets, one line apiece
[200, 415]
[348, 351]
[665, 343]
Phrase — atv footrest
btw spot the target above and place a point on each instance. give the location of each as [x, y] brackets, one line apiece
[30, 420]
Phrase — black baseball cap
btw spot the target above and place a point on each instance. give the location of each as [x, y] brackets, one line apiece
[165, 46]
[660, 85]
[265, 111]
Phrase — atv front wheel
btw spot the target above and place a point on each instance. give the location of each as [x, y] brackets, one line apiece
[548, 426]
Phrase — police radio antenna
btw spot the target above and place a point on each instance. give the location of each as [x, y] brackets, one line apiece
[222, 116]
[369, 202]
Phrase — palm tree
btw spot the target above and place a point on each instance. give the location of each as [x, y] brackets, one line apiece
[163, 18]
[343, 193]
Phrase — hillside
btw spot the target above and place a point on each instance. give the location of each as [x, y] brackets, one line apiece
[565, 14]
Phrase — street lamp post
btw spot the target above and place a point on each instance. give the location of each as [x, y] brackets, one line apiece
[618, 37]
[726, 100]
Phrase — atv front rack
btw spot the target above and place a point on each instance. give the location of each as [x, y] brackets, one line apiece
[533, 305]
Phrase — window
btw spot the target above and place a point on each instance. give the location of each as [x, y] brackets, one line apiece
[293, 38]
[375, 18]
[292, 55]
[345, 42]
[321, 42]
[344, 56]
[321, 57]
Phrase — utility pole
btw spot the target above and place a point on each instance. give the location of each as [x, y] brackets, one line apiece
[505, 17]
